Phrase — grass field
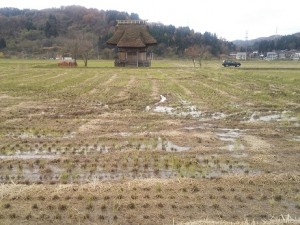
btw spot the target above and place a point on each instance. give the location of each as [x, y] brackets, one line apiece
[170, 144]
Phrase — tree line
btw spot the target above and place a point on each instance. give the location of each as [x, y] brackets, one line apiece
[288, 42]
[34, 32]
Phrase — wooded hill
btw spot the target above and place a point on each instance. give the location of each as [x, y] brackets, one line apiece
[287, 42]
[45, 33]
[272, 43]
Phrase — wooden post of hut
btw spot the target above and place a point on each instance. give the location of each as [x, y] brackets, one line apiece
[132, 39]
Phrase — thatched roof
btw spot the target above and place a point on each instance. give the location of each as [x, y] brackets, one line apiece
[131, 35]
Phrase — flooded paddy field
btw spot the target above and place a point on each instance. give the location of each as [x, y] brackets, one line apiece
[161, 145]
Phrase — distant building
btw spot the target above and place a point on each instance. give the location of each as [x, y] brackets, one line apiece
[271, 56]
[241, 55]
[132, 39]
[296, 56]
[232, 55]
[281, 55]
[254, 54]
[58, 57]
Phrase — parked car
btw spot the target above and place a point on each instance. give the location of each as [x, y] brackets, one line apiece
[230, 63]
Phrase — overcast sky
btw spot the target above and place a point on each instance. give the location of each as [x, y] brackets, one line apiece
[229, 19]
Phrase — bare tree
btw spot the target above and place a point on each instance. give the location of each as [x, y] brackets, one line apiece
[85, 47]
[196, 52]
[82, 46]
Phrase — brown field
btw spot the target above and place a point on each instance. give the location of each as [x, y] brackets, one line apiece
[171, 144]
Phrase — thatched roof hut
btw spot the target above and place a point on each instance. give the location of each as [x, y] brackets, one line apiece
[132, 39]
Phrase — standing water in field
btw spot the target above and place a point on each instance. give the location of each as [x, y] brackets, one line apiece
[232, 137]
[185, 110]
[169, 146]
[272, 116]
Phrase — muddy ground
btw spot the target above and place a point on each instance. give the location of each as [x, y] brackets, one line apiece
[148, 146]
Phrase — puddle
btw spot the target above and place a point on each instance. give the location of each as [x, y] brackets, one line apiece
[186, 109]
[164, 109]
[33, 135]
[195, 128]
[46, 153]
[236, 146]
[169, 146]
[28, 156]
[296, 138]
[26, 135]
[273, 116]
[57, 173]
[162, 99]
[232, 137]
[123, 134]
[182, 112]
[191, 111]
[89, 149]
[218, 115]
[204, 125]
[229, 135]
[213, 167]
[69, 135]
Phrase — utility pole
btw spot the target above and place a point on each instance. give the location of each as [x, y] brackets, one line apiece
[246, 43]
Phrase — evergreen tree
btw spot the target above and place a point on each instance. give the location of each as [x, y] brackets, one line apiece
[2, 43]
[51, 27]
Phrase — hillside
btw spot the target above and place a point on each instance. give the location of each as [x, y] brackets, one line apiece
[251, 42]
[274, 42]
[31, 33]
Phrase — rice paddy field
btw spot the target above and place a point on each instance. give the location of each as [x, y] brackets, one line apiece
[170, 144]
